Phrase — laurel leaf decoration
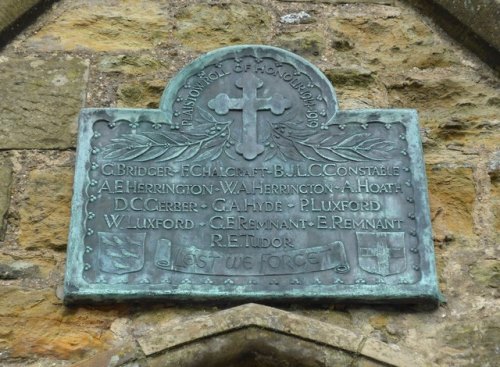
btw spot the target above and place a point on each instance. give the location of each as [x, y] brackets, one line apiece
[205, 140]
[207, 116]
[209, 139]
[295, 143]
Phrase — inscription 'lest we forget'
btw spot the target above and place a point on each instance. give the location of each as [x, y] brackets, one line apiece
[248, 182]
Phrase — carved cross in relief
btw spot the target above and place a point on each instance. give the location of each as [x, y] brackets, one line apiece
[249, 104]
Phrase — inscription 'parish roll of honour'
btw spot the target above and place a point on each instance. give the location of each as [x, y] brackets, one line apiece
[249, 183]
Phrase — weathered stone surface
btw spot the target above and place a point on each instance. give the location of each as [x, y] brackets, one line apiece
[129, 64]
[297, 18]
[17, 269]
[358, 87]
[387, 36]
[105, 26]
[305, 43]
[288, 338]
[244, 316]
[486, 273]
[387, 2]
[5, 189]
[141, 94]
[353, 76]
[254, 347]
[46, 209]
[341, 43]
[222, 25]
[479, 15]
[376, 11]
[451, 195]
[455, 89]
[39, 271]
[123, 355]
[476, 342]
[389, 354]
[495, 191]
[474, 24]
[44, 99]
[10, 10]
[34, 324]
[453, 106]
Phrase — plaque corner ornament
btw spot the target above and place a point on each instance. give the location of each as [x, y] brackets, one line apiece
[249, 183]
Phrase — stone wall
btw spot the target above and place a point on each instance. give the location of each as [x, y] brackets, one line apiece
[473, 24]
[380, 54]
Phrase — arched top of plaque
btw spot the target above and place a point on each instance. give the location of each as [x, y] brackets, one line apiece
[256, 87]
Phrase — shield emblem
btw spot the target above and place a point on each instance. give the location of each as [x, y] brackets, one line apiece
[382, 253]
[121, 254]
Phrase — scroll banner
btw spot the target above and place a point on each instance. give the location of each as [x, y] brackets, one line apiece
[189, 259]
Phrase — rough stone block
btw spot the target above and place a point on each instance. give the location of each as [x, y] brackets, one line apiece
[259, 329]
[305, 43]
[45, 212]
[474, 341]
[486, 273]
[37, 325]
[388, 36]
[495, 191]
[105, 26]
[17, 270]
[354, 75]
[480, 15]
[386, 2]
[452, 105]
[5, 184]
[297, 18]
[357, 87]
[10, 10]
[452, 194]
[222, 25]
[129, 64]
[43, 101]
[42, 270]
[140, 94]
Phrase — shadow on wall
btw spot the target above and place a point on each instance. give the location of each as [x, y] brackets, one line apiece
[16, 15]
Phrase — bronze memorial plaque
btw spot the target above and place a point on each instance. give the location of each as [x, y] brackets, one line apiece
[249, 184]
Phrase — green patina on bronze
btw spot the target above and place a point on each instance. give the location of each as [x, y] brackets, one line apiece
[249, 184]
